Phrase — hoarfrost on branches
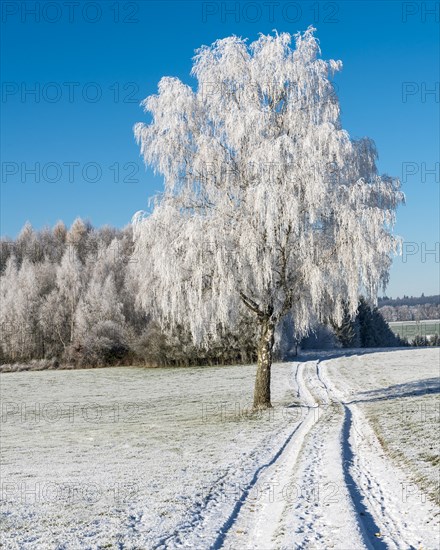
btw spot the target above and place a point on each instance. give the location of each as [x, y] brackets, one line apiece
[268, 202]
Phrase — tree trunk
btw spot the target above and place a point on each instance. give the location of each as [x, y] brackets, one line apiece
[262, 380]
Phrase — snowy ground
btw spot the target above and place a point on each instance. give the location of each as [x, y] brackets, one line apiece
[152, 459]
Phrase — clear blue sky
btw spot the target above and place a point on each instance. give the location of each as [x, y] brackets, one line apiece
[117, 52]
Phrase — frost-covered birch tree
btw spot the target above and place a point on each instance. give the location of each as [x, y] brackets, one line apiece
[268, 203]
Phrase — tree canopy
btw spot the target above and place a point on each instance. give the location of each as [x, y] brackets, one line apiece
[268, 203]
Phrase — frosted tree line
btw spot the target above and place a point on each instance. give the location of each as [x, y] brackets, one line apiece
[69, 297]
[413, 312]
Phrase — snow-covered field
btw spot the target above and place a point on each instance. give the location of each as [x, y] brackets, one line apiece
[148, 459]
[410, 329]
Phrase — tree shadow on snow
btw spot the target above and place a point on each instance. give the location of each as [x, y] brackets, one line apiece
[325, 355]
[428, 386]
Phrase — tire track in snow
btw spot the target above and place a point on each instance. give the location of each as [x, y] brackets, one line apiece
[366, 521]
[366, 501]
[322, 515]
[245, 494]
[375, 484]
[316, 451]
[368, 512]
[191, 531]
[261, 519]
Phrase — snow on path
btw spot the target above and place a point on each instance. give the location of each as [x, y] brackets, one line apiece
[255, 496]
[379, 484]
[332, 485]
[305, 503]
[323, 515]
[262, 513]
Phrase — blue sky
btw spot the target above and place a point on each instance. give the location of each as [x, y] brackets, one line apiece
[91, 64]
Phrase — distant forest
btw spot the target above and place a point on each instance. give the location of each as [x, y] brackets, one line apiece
[409, 300]
[69, 299]
[410, 308]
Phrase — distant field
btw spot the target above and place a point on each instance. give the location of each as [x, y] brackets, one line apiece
[410, 329]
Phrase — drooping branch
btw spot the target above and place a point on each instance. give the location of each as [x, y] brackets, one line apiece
[253, 306]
